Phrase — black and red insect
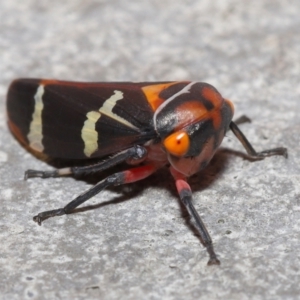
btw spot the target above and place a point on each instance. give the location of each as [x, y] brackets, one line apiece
[148, 125]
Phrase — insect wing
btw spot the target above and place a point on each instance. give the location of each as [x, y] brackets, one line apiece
[79, 120]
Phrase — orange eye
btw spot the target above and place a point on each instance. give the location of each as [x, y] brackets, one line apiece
[177, 143]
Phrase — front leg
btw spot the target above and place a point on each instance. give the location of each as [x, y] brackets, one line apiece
[185, 195]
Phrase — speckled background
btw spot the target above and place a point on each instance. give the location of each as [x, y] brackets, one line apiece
[136, 243]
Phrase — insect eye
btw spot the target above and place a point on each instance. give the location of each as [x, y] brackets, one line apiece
[177, 143]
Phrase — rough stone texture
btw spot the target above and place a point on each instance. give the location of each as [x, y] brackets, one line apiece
[137, 245]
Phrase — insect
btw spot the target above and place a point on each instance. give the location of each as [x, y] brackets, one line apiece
[148, 125]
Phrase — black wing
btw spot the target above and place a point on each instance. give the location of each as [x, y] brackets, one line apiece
[79, 120]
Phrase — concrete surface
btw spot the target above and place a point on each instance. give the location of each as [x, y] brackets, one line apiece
[137, 244]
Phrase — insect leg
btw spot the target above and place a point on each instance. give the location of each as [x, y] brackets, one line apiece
[250, 150]
[135, 153]
[124, 177]
[185, 195]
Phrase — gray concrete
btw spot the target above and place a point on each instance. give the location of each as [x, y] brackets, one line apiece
[142, 247]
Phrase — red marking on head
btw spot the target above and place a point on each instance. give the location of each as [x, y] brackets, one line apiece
[216, 118]
[213, 96]
[189, 112]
